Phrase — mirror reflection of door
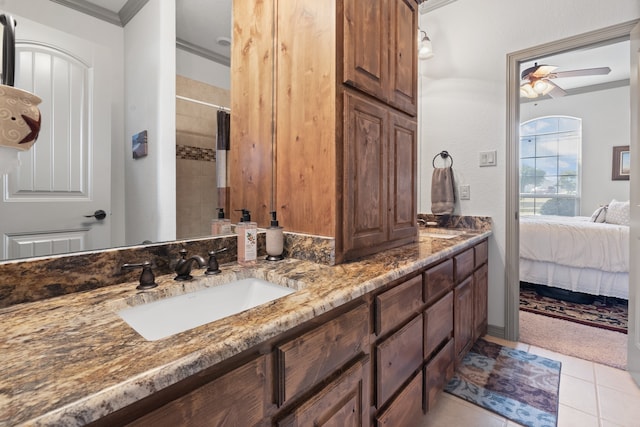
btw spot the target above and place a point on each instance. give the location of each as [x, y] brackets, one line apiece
[65, 176]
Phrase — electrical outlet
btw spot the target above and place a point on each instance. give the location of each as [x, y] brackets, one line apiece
[465, 192]
[488, 158]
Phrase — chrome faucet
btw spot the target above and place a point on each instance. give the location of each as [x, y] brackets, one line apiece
[184, 265]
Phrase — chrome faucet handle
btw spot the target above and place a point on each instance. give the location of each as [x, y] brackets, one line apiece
[147, 278]
[212, 265]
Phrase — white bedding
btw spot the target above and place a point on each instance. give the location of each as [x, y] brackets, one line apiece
[575, 254]
[575, 242]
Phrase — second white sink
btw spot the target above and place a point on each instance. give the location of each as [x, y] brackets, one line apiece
[163, 318]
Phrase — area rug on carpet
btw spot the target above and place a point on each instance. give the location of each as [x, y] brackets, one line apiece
[605, 312]
[515, 384]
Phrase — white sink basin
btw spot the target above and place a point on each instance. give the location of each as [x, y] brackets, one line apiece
[163, 318]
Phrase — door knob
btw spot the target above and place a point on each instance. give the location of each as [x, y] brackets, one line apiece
[99, 215]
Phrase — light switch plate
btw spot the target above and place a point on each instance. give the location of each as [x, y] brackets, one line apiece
[465, 192]
[488, 158]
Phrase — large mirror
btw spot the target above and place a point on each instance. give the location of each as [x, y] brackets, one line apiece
[168, 191]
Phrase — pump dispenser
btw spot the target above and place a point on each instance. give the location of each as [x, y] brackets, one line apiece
[247, 231]
[275, 240]
[221, 225]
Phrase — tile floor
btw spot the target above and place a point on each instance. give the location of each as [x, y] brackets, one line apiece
[591, 395]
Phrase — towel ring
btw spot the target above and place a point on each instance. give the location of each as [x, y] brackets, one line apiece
[445, 155]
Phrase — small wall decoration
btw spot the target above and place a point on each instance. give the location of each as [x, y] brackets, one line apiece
[139, 144]
[621, 163]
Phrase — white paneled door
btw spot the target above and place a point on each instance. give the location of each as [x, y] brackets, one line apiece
[65, 176]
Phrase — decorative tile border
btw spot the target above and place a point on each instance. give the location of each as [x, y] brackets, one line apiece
[187, 152]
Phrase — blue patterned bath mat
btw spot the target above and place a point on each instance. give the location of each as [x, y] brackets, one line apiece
[518, 385]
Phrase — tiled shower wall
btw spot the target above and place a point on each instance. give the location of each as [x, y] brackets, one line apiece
[196, 129]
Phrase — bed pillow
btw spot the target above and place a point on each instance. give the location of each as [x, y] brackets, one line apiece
[618, 213]
[600, 214]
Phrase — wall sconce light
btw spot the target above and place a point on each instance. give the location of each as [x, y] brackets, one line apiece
[425, 48]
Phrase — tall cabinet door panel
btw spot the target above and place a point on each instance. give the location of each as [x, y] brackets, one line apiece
[403, 62]
[402, 176]
[365, 182]
[366, 46]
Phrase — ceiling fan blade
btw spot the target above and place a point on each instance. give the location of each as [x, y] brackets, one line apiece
[555, 91]
[583, 72]
[543, 70]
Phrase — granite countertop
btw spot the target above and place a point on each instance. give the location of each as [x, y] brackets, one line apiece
[70, 360]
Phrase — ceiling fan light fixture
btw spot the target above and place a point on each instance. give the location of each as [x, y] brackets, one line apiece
[527, 91]
[425, 48]
[540, 86]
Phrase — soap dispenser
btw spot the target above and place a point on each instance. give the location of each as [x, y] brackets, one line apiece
[275, 240]
[247, 231]
[221, 225]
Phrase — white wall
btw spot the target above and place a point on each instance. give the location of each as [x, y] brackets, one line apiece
[150, 39]
[198, 68]
[463, 97]
[605, 124]
[111, 36]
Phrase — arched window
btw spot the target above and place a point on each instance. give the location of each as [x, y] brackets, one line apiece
[550, 150]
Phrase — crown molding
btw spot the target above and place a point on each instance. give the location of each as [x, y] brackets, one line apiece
[205, 53]
[429, 5]
[120, 19]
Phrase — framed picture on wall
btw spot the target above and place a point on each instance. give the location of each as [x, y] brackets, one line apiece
[139, 144]
[621, 163]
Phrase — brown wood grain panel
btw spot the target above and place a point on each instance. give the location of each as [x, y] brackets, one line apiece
[343, 403]
[464, 264]
[366, 46]
[463, 318]
[480, 300]
[397, 358]
[402, 176]
[438, 324]
[438, 372]
[251, 110]
[438, 280]
[482, 253]
[403, 60]
[406, 408]
[235, 399]
[305, 361]
[397, 304]
[306, 121]
[365, 183]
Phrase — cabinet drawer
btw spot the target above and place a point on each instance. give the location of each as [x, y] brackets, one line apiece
[438, 372]
[310, 358]
[438, 280]
[344, 402]
[482, 253]
[464, 264]
[236, 398]
[397, 358]
[406, 408]
[438, 324]
[398, 304]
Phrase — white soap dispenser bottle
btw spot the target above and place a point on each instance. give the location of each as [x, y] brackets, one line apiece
[275, 240]
[247, 232]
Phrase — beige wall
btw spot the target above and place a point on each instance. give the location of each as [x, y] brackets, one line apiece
[196, 187]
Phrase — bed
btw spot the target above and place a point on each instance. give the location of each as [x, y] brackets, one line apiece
[575, 254]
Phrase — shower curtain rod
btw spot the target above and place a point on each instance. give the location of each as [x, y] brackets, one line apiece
[219, 107]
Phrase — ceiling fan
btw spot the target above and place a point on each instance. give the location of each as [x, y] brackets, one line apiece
[536, 80]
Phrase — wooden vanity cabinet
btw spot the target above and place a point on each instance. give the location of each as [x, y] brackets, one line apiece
[345, 128]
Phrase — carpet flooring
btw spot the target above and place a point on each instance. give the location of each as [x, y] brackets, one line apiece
[573, 339]
[604, 312]
[515, 384]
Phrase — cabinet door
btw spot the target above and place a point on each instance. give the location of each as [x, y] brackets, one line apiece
[403, 55]
[463, 318]
[235, 399]
[365, 213]
[402, 177]
[343, 403]
[406, 408]
[366, 46]
[480, 297]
